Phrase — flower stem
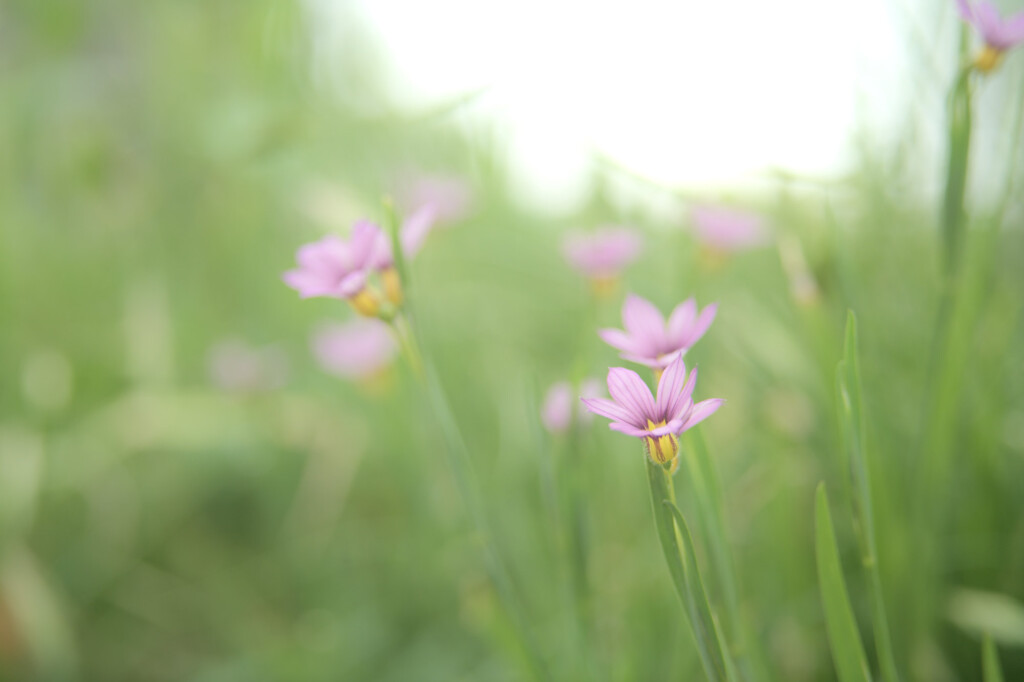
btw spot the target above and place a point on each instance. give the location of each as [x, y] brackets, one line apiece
[679, 557]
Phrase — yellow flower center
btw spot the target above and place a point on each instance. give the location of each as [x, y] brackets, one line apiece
[392, 286]
[605, 286]
[366, 303]
[988, 59]
[662, 449]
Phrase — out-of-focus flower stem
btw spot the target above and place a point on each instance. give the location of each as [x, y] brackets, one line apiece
[958, 154]
[461, 465]
[410, 347]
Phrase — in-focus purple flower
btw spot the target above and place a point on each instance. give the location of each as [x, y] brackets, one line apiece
[338, 268]
[657, 420]
[448, 198]
[354, 350]
[557, 411]
[998, 33]
[649, 340]
[726, 229]
[238, 367]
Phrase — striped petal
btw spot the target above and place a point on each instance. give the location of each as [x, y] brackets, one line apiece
[629, 390]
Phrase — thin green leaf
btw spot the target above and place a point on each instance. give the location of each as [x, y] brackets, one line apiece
[661, 492]
[991, 671]
[851, 420]
[843, 636]
[696, 586]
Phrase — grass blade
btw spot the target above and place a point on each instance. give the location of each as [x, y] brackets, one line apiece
[991, 672]
[851, 421]
[662, 493]
[843, 636]
[699, 594]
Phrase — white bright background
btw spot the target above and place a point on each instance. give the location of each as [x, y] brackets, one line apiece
[701, 95]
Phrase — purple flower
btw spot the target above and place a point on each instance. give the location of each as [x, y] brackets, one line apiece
[728, 230]
[238, 367]
[356, 349]
[998, 33]
[649, 340]
[603, 253]
[557, 410]
[337, 268]
[658, 421]
[413, 233]
[448, 197]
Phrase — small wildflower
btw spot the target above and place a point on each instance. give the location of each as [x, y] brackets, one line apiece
[726, 230]
[650, 340]
[358, 349]
[337, 268]
[237, 367]
[658, 421]
[413, 233]
[999, 34]
[557, 411]
[448, 197]
[602, 255]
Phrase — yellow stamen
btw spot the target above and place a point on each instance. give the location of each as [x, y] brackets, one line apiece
[712, 258]
[662, 449]
[365, 303]
[988, 59]
[605, 286]
[392, 286]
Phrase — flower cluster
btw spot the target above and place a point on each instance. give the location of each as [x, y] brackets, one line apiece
[650, 340]
[1000, 34]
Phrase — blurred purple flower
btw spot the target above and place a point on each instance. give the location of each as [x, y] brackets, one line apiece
[337, 268]
[356, 349]
[412, 234]
[649, 339]
[449, 198]
[236, 366]
[998, 33]
[727, 229]
[603, 253]
[658, 421]
[557, 410]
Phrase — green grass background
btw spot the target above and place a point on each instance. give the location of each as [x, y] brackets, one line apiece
[154, 157]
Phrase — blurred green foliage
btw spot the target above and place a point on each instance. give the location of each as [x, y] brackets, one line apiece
[159, 164]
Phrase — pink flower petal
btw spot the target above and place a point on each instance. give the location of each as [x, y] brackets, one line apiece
[701, 411]
[616, 338]
[630, 391]
[627, 429]
[681, 320]
[416, 228]
[670, 386]
[700, 327]
[643, 320]
[611, 410]
[556, 413]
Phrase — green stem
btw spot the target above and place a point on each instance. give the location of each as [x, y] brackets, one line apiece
[662, 495]
[956, 174]
[708, 492]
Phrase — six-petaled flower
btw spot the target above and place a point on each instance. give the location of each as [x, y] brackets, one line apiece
[649, 340]
[657, 420]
